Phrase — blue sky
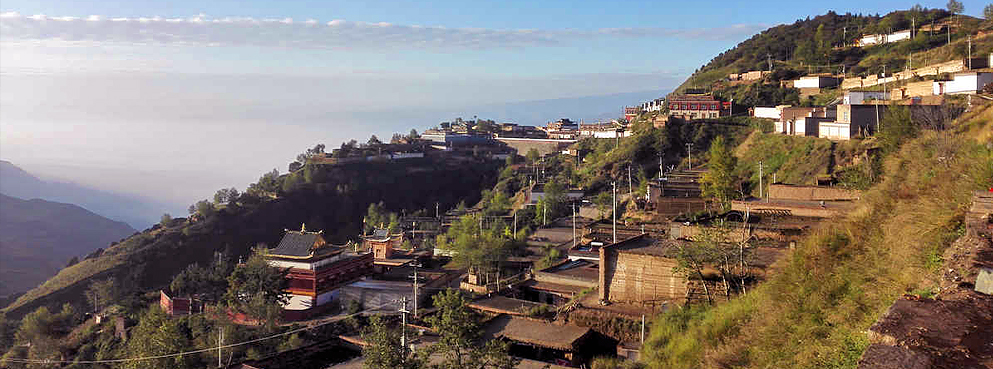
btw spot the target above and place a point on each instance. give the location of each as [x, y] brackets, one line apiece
[239, 87]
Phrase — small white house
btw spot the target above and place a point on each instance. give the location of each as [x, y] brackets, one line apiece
[963, 83]
[768, 112]
[860, 97]
[883, 38]
[815, 82]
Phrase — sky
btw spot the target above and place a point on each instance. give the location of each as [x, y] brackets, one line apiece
[176, 99]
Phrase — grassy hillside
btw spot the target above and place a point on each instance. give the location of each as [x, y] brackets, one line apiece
[816, 44]
[795, 159]
[813, 314]
[324, 197]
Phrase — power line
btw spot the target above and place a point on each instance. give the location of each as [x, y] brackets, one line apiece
[40, 361]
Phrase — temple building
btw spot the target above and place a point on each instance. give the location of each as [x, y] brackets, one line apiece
[387, 248]
[316, 270]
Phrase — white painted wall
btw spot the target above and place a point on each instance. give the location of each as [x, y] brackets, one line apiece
[767, 112]
[834, 131]
[964, 83]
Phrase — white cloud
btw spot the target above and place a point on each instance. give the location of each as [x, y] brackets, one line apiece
[311, 34]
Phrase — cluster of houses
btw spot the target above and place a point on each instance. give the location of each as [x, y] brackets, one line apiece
[858, 112]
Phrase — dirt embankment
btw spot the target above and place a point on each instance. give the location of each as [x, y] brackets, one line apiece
[952, 330]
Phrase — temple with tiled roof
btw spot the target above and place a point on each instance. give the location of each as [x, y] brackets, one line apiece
[316, 270]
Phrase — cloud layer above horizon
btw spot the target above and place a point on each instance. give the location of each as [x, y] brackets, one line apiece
[202, 30]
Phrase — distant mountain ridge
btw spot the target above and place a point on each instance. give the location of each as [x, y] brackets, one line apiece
[38, 237]
[138, 213]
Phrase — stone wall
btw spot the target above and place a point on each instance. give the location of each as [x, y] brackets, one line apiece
[931, 70]
[811, 193]
[523, 145]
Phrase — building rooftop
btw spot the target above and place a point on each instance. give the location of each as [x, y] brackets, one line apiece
[299, 244]
[537, 333]
[645, 245]
[505, 305]
[582, 269]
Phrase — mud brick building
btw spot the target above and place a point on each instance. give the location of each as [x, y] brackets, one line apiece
[640, 270]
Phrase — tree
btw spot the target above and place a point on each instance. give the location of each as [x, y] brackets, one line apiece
[41, 329]
[988, 12]
[157, 335]
[101, 293]
[257, 288]
[955, 7]
[532, 156]
[896, 127]
[166, 220]
[205, 208]
[460, 335]
[378, 217]
[396, 139]
[413, 134]
[383, 350]
[373, 140]
[474, 247]
[209, 284]
[718, 182]
[295, 166]
[823, 43]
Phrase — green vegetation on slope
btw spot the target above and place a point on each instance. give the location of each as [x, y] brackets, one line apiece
[812, 314]
[332, 198]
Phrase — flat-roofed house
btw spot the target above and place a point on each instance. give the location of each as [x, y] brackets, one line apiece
[316, 270]
[963, 83]
[853, 121]
[816, 82]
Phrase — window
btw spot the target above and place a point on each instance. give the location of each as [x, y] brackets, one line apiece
[693, 106]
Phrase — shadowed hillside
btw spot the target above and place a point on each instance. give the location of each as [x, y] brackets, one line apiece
[38, 237]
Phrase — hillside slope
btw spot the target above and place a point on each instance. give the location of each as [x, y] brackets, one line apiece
[841, 278]
[822, 45]
[38, 237]
[329, 198]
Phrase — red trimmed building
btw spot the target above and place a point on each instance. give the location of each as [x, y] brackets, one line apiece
[316, 270]
[697, 106]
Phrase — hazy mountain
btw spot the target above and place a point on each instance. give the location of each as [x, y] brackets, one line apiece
[38, 237]
[138, 213]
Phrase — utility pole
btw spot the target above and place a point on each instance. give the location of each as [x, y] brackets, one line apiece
[417, 265]
[642, 329]
[515, 224]
[661, 169]
[689, 154]
[436, 213]
[970, 51]
[573, 224]
[769, 60]
[220, 342]
[403, 328]
[760, 181]
[614, 212]
[630, 185]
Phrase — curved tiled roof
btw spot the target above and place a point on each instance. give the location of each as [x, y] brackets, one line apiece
[296, 243]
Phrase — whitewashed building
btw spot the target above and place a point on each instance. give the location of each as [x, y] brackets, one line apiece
[963, 83]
